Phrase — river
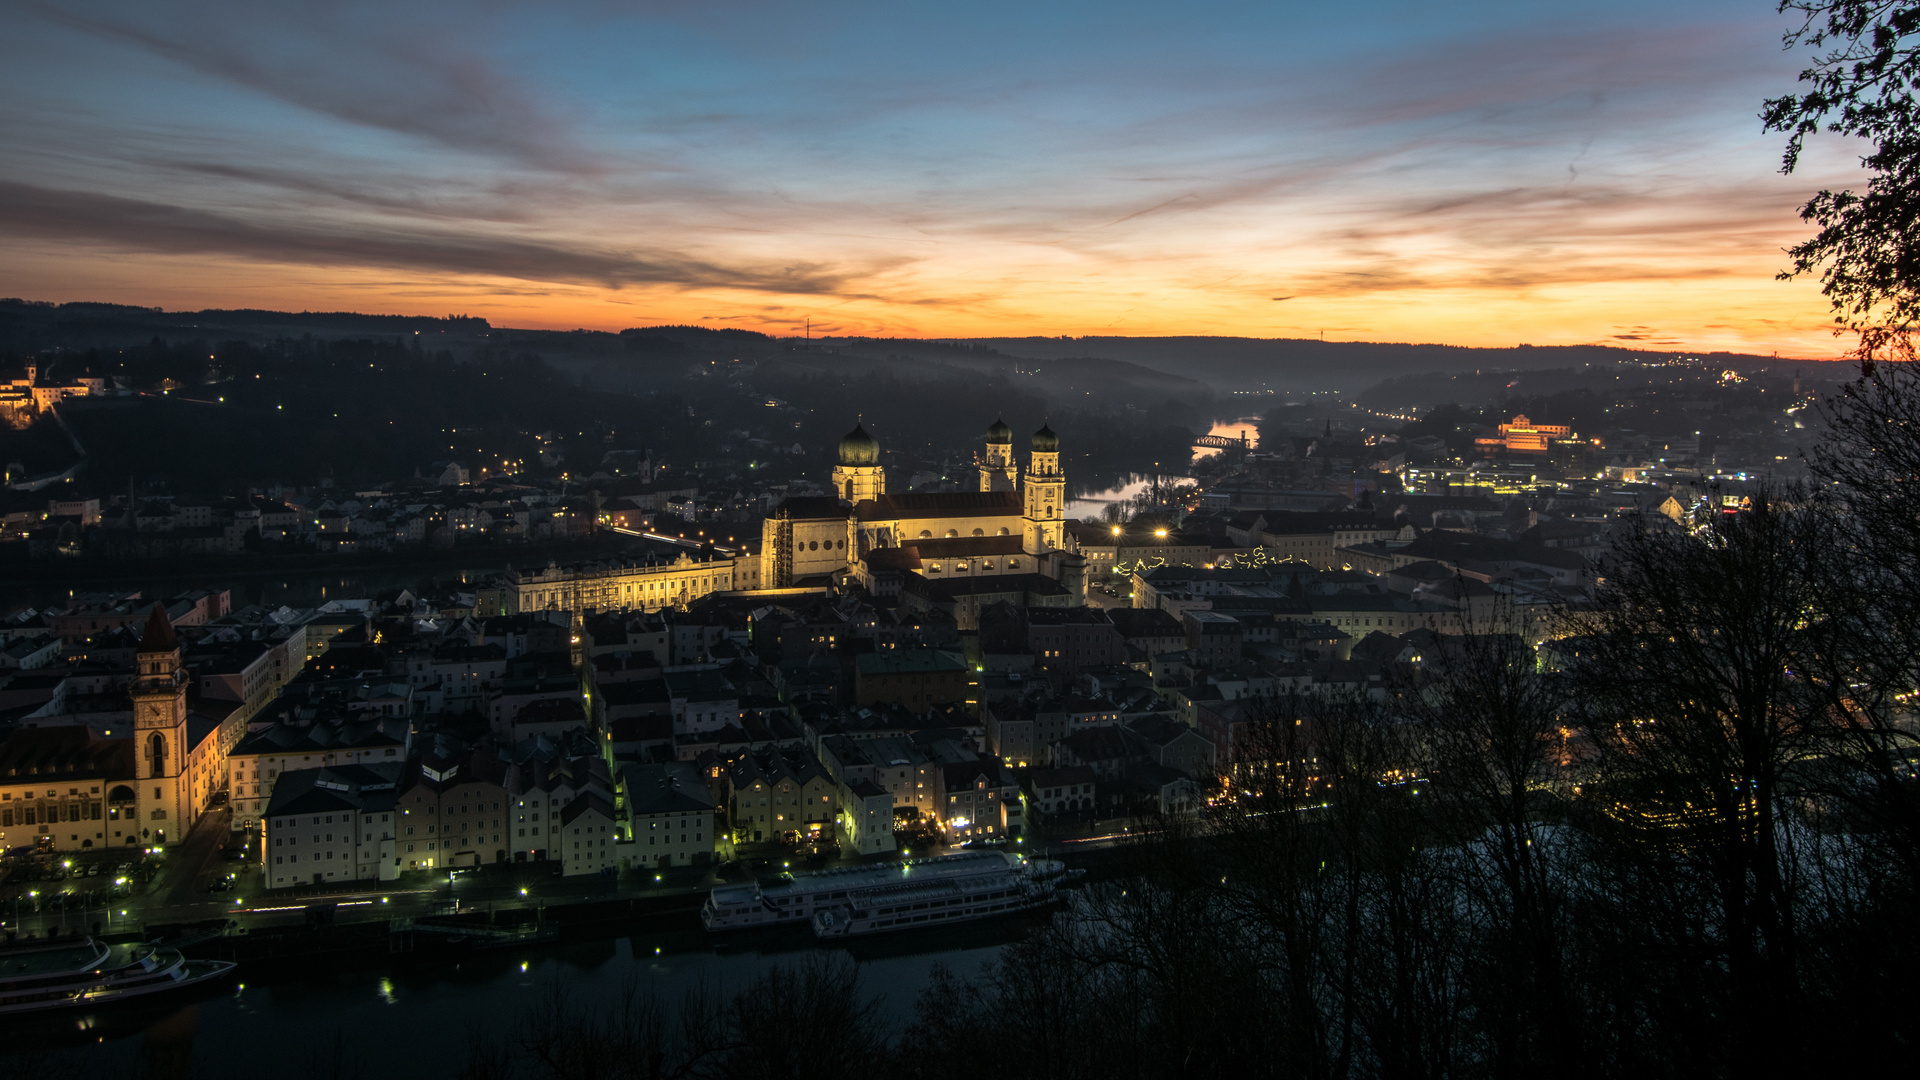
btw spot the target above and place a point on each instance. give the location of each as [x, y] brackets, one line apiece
[405, 1019]
[1094, 503]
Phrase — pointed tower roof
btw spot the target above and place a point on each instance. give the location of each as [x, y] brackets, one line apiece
[999, 434]
[1045, 441]
[159, 636]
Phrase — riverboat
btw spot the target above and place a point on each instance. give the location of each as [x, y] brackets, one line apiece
[917, 903]
[87, 972]
[797, 898]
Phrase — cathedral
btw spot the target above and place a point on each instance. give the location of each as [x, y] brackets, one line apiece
[1013, 524]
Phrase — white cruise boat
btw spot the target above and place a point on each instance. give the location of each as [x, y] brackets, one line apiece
[797, 898]
[69, 974]
[919, 902]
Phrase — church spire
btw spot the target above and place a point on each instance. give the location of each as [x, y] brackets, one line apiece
[159, 635]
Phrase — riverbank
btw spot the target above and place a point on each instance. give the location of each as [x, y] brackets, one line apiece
[311, 930]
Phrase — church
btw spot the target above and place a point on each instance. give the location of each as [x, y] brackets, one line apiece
[1010, 530]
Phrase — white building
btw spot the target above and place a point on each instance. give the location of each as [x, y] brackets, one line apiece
[331, 825]
[543, 791]
[589, 834]
[866, 817]
[670, 815]
[290, 744]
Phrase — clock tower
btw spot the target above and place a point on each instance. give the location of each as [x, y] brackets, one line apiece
[159, 695]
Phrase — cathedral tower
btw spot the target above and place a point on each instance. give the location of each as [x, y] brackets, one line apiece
[160, 747]
[1045, 492]
[859, 477]
[997, 470]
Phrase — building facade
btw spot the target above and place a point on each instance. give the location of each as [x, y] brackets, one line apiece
[162, 782]
[454, 812]
[618, 585]
[1004, 527]
[326, 826]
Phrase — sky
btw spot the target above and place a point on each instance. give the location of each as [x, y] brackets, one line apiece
[1476, 173]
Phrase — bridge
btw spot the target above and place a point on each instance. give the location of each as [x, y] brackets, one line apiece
[1222, 442]
[676, 541]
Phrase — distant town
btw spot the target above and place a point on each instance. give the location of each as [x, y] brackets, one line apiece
[885, 655]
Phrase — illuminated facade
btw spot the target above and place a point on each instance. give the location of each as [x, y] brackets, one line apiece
[163, 782]
[610, 586]
[1523, 436]
[1003, 527]
[858, 477]
[997, 470]
[66, 789]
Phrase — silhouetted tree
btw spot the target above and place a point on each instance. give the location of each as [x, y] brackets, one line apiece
[1694, 695]
[1861, 84]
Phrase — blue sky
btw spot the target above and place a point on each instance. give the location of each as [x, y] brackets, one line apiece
[1477, 173]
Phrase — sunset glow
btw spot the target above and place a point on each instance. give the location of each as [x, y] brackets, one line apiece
[1479, 174]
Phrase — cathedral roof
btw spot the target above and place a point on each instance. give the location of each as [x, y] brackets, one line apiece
[810, 507]
[907, 505]
[1045, 441]
[1000, 434]
[159, 636]
[909, 556]
[859, 448]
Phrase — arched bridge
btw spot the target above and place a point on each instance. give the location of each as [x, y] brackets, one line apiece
[1222, 442]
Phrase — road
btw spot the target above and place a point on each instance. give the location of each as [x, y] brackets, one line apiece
[195, 863]
[179, 891]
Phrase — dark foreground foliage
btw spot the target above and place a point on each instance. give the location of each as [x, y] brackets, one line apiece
[1682, 839]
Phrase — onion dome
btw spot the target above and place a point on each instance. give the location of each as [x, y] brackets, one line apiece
[1045, 441]
[999, 434]
[859, 448]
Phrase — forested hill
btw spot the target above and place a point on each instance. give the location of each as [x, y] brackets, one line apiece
[1292, 364]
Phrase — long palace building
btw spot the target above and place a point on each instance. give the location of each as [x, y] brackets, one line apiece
[1007, 536]
[614, 585]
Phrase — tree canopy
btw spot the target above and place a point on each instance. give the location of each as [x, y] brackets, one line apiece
[1860, 84]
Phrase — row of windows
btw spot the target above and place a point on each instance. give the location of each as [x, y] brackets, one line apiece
[52, 793]
[431, 808]
[987, 908]
[34, 815]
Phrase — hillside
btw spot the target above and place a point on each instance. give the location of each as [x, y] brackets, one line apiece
[1291, 364]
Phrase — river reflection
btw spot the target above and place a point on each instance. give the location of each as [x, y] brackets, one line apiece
[1246, 427]
[375, 1019]
[1094, 503]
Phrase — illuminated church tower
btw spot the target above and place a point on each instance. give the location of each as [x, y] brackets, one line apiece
[859, 477]
[160, 748]
[997, 470]
[1045, 492]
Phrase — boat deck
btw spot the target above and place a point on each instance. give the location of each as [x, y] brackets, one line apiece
[33, 962]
